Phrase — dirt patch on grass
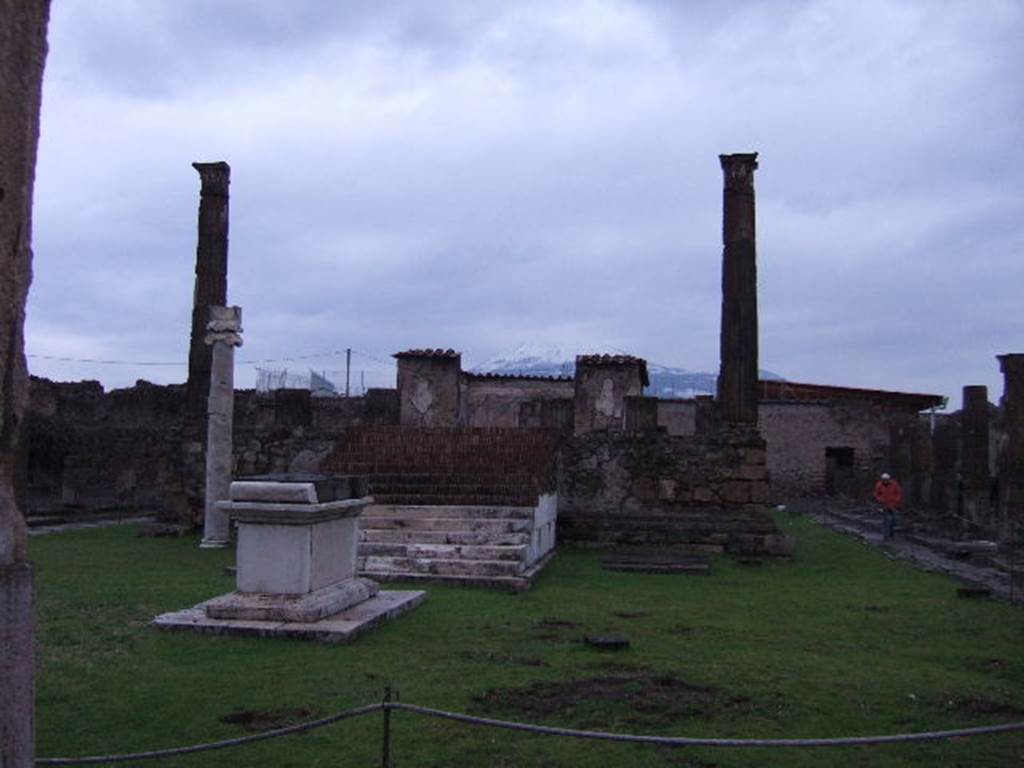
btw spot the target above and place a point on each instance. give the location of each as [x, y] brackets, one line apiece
[556, 624]
[256, 721]
[612, 667]
[639, 698]
[979, 706]
[676, 756]
[502, 659]
[990, 666]
[553, 630]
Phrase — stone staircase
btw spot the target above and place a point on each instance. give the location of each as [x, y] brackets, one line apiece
[459, 506]
[468, 544]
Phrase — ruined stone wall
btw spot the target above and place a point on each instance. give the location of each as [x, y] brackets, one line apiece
[678, 417]
[132, 449]
[798, 434]
[492, 401]
[630, 487]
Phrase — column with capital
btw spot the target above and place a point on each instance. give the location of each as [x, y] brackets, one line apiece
[738, 363]
[223, 335]
[211, 284]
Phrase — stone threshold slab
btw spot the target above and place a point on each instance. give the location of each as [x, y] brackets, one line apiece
[342, 627]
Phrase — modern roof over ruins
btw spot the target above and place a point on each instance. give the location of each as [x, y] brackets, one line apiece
[799, 391]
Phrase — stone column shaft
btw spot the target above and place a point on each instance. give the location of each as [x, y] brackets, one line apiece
[974, 453]
[23, 50]
[225, 328]
[211, 284]
[1011, 480]
[737, 378]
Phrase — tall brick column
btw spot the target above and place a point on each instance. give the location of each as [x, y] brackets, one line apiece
[737, 377]
[22, 58]
[1011, 475]
[211, 287]
[974, 454]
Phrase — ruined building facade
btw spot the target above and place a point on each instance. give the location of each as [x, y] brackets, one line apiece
[625, 467]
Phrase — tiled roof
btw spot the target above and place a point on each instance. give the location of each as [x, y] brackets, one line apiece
[513, 376]
[448, 353]
[617, 360]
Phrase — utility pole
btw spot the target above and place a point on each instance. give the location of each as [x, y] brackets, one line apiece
[348, 367]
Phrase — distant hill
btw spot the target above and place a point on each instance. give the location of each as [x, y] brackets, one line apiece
[560, 360]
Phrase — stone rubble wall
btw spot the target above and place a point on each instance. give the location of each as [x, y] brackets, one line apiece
[86, 449]
[90, 450]
[641, 488]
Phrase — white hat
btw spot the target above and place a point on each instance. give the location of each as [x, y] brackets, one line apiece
[885, 476]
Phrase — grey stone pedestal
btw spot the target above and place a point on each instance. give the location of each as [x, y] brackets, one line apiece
[297, 541]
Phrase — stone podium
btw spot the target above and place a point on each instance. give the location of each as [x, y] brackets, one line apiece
[296, 575]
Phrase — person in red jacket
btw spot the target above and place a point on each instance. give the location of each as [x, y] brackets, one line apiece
[890, 496]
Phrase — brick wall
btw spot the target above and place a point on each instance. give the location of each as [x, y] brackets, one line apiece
[515, 455]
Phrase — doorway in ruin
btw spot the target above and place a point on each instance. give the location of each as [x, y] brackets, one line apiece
[839, 472]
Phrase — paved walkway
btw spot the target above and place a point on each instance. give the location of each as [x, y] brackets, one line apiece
[41, 530]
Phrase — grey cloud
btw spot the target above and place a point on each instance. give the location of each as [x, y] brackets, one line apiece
[494, 174]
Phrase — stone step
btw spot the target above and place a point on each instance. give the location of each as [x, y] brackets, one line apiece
[418, 550]
[470, 512]
[371, 565]
[461, 524]
[502, 583]
[383, 473]
[419, 536]
[454, 499]
[481, 492]
[502, 485]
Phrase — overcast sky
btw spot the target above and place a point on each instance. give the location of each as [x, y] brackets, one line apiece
[480, 175]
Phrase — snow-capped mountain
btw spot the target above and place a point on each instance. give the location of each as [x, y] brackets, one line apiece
[560, 360]
[542, 359]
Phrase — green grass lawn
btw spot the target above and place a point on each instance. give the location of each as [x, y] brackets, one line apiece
[840, 641]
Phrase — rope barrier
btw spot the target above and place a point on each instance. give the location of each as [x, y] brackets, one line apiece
[160, 753]
[683, 741]
[545, 730]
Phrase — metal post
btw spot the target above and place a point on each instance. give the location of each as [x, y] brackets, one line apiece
[385, 758]
[348, 368]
